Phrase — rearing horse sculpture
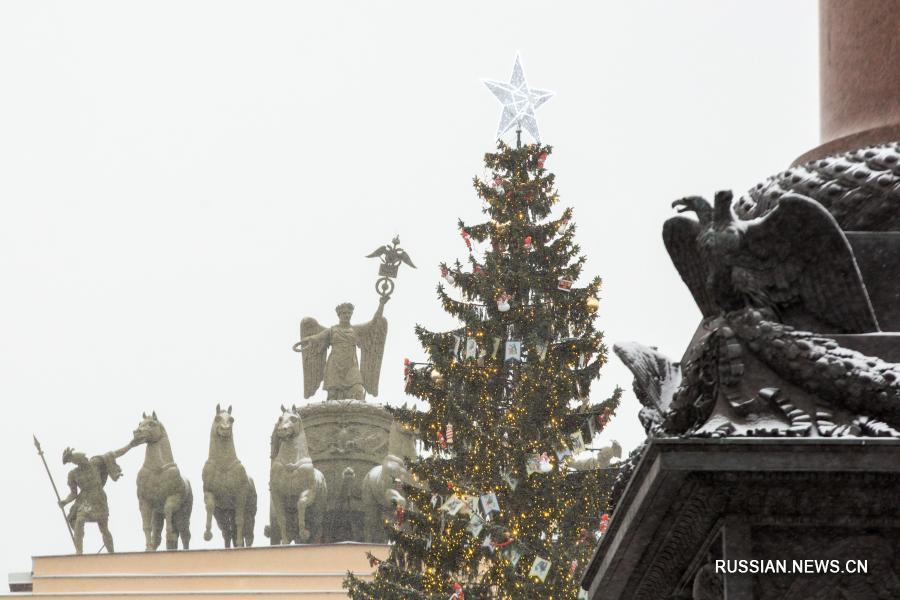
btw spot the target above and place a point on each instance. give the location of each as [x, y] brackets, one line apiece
[163, 494]
[293, 482]
[229, 494]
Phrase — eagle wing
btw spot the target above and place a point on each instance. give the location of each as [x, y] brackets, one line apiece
[314, 356]
[680, 237]
[656, 378]
[798, 257]
[370, 338]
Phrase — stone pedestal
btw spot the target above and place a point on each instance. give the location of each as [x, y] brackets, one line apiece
[342, 436]
[692, 502]
[310, 572]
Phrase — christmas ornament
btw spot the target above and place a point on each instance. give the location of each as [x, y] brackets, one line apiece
[592, 303]
[604, 521]
[399, 515]
[564, 284]
[406, 365]
[471, 348]
[445, 273]
[477, 269]
[475, 525]
[577, 442]
[453, 505]
[437, 377]
[513, 555]
[511, 481]
[573, 566]
[441, 441]
[496, 346]
[528, 245]
[374, 562]
[503, 302]
[539, 568]
[513, 351]
[541, 348]
[490, 503]
[542, 157]
[449, 435]
[498, 185]
[458, 593]
[408, 387]
[519, 102]
[538, 463]
[466, 238]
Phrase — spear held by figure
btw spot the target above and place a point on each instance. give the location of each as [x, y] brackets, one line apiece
[40, 452]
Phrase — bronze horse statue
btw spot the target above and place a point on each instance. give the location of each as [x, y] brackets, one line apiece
[295, 486]
[163, 494]
[229, 494]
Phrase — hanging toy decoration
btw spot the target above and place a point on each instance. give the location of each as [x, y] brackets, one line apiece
[498, 185]
[542, 157]
[441, 441]
[466, 238]
[592, 303]
[449, 436]
[477, 269]
[528, 243]
[604, 522]
[458, 593]
[445, 274]
[437, 378]
[503, 302]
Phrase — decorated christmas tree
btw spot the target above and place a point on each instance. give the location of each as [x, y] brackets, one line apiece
[505, 501]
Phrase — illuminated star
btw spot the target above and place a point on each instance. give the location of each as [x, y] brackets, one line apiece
[519, 102]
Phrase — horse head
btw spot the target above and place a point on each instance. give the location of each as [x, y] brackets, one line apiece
[223, 423]
[287, 428]
[149, 430]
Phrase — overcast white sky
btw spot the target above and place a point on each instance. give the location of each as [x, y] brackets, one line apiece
[182, 182]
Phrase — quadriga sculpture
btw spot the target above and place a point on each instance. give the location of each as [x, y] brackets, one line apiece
[163, 494]
[295, 486]
[229, 494]
[382, 484]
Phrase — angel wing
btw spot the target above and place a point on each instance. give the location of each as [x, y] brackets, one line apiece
[799, 258]
[656, 378]
[370, 338]
[314, 355]
[680, 237]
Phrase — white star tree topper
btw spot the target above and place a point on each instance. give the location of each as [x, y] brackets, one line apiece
[519, 102]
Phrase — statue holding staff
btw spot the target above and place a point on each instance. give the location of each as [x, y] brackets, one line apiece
[86, 483]
[339, 372]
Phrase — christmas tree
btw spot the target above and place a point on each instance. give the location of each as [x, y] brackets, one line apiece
[495, 506]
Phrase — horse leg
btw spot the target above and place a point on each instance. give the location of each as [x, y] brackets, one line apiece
[306, 498]
[182, 520]
[157, 520]
[103, 525]
[249, 524]
[147, 519]
[240, 503]
[169, 508]
[210, 500]
[279, 522]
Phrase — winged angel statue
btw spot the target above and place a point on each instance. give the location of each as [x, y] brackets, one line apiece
[339, 372]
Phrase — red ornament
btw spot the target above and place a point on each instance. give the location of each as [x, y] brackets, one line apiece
[528, 245]
[458, 593]
[374, 562]
[541, 158]
[441, 441]
[573, 566]
[466, 238]
[449, 433]
[477, 269]
[604, 521]
[399, 515]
